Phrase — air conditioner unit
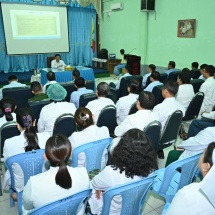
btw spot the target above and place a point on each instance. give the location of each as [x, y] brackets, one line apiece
[116, 6]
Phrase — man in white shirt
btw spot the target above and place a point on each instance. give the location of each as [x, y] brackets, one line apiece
[151, 68]
[57, 63]
[51, 80]
[97, 105]
[124, 104]
[208, 88]
[155, 81]
[127, 72]
[202, 67]
[171, 67]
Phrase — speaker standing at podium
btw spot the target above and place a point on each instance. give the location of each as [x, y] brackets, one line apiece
[57, 63]
[122, 65]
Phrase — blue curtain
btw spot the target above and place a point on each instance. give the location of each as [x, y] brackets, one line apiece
[80, 54]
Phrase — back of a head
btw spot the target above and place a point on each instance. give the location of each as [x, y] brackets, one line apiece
[152, 67]
[8, 106]
[155, 75]
[36, 87]
[147, 100]
[134, 148]
[76, 73]
[128, 68]
[103, 89]
[195, 65]
[83, 118]
[203, 66]
[56, 93]
[172, 64]
[134, 86]
[171, 86]
[210, 69]
[12, 78]
[122, 51]
[58, 150]
[50, 76]
[185, 76]
[80, 82]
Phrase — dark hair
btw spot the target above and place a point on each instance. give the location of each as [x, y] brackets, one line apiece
[195, 65]
[36, 87]
[208, 156]
[80, 82]
[103, 89]
[58, 150]
[83, 117]
[134, 155]
[50, 76]
[147, 100]
[172, 64]
[7, 106]
[171, 86]
[12, 78]
[25, 118]
[210, 70]
[76, 73]
[128, 68]
[122, 51]
[185, 76]
[152, 67]
[57, 55]
[135, 86]
[155, 75]
[203, 66]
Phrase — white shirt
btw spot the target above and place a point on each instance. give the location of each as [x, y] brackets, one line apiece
[153, 84]
[185, 94]
[60, 64]
[51, 112]
[145, 77]
[201, 77]
[208, 88]
[210, 115]
[97, 105]
[166, 108]
[42, 189]
[123, 106]
[3, 119]
[106, 179]
[190, 200]
[118, 83]
[89, 134]
[48, 83]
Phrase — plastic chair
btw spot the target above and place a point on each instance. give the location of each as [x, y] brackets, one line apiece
[31, 164]
[195, 73]
[174, 75]
[90, 84]
[133, 109]
[133, 196]
[64, 124]
[68, 205]
[157, 92]
[152, 131]
[70, 87]
[93, 152]
[163, 77]
[196, 84]
[86, 98]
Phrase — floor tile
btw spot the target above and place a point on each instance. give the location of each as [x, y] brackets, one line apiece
[146, 209]
[159, 210]
[154, 212]
[154, 200]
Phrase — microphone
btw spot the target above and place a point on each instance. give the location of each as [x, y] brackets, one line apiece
[132, 50]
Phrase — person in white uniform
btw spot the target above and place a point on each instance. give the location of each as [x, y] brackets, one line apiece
[88, 132]
[122, 170]
[155, 81]
[208, 88]
[59, 181]
[185, 91]
[198, 198]
[97, 105]
[151, 68]
[57, 62]
[51, 112]
[51, 80]
[124, 103]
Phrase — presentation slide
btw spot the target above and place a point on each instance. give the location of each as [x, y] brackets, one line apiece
[33, 29]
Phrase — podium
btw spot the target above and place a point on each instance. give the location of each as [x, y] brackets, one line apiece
[134, 62]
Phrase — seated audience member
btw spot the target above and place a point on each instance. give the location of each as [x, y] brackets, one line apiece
[36, 89]
[51, 80]
[155, 81]
[13, 82]
[208, 88]
[124, 104]
[57, 62]
[122, 65]
[185, 90]
[59, 181]
[151, 68]
[88, 132]
[7, 106]
[171, 67]
[198, 198]
[133, 148]
[75, 74]
[194, 66]
[202, 67]
[81, 89]
[51, 112]
[97, 105]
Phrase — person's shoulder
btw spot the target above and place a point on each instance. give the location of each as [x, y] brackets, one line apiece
[43, 135]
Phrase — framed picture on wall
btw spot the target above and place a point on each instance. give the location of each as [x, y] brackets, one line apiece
[186, 28]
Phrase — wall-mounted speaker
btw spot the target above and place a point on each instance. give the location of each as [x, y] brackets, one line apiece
[147, 5]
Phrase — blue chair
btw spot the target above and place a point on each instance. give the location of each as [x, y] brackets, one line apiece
[133, 196]
[31, 164]
[68, 205]
[93, 152]
[174, 177]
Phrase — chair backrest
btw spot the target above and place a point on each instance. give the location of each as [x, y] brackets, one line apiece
[68, 205]
[8, 130]
[49, 61]
[195, 73]
[152, 131]
[93, 152]
[163, 77]
[85, 98]
[90, 84]
[70, 87]
[148, 81]
[194, 107]
[196, 84]
[171, 128]
[173, 75]
[157, 92]
[19, 94]
[133, 196]
[107, 117]
[133, 109]
[64, 124]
